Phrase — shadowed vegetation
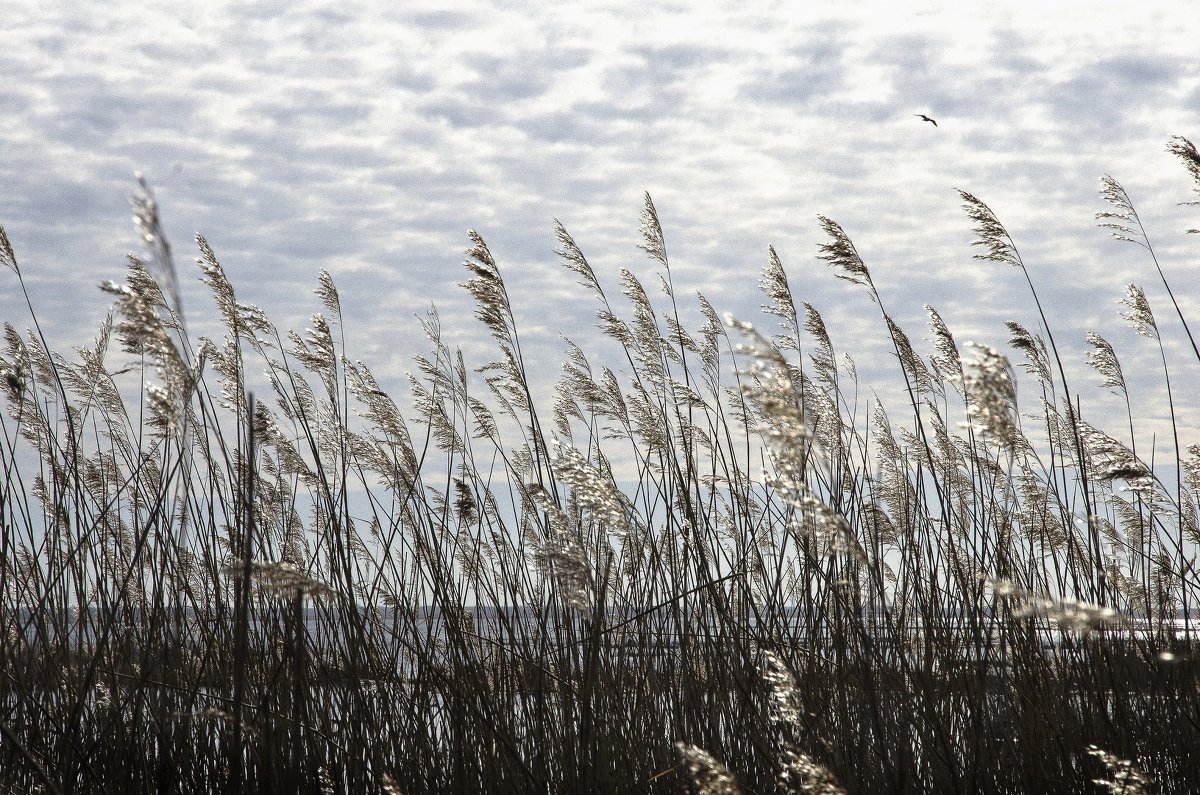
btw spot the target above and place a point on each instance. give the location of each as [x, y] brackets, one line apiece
[705, 565]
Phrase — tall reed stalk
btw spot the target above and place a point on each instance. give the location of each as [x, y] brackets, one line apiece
[703, 566]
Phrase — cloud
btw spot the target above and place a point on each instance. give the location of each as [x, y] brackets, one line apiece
[367, 140]
[1112, 93]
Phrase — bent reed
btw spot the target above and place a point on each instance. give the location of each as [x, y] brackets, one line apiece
[701, 567]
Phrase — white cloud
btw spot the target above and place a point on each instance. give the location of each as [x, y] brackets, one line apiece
[366, 140]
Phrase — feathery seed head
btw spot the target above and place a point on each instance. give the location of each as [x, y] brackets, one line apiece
[594, 491]
[841, 254]
[7, 256]
[803, 774]
[13, 382]
[653, 242]
[573, 258]
[782, 693]
[1126, 778]
[1191, 468]
[774, 284]
[486, 286]
[1037, 359]
[1124, 222]
[1071, 614]
[560, 555]
[1139, 316]
[327, 292]
[991, 394]
[991, 234]
[1110, 460]
[947, 364]
[710, 776]
[1104, 359]
[914, 367]
[823, 359]
[281, 578]
[1185, 150]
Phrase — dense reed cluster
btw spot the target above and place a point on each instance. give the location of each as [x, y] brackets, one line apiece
[706, 566]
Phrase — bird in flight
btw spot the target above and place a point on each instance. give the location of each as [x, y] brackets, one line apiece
[926, 118]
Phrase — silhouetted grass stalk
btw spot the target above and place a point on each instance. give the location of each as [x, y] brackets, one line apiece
[700, 568]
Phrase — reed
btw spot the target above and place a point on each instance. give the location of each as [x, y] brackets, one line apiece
[697, 567]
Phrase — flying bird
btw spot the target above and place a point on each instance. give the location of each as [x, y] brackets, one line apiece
[926, 118]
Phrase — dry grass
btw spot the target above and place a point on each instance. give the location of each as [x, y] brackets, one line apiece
[595, 590]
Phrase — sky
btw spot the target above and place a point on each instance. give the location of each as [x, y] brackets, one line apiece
[366, 139]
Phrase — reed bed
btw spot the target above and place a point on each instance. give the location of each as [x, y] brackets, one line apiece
[701, 566]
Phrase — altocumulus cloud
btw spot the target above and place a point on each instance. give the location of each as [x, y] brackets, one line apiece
[366, 140]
